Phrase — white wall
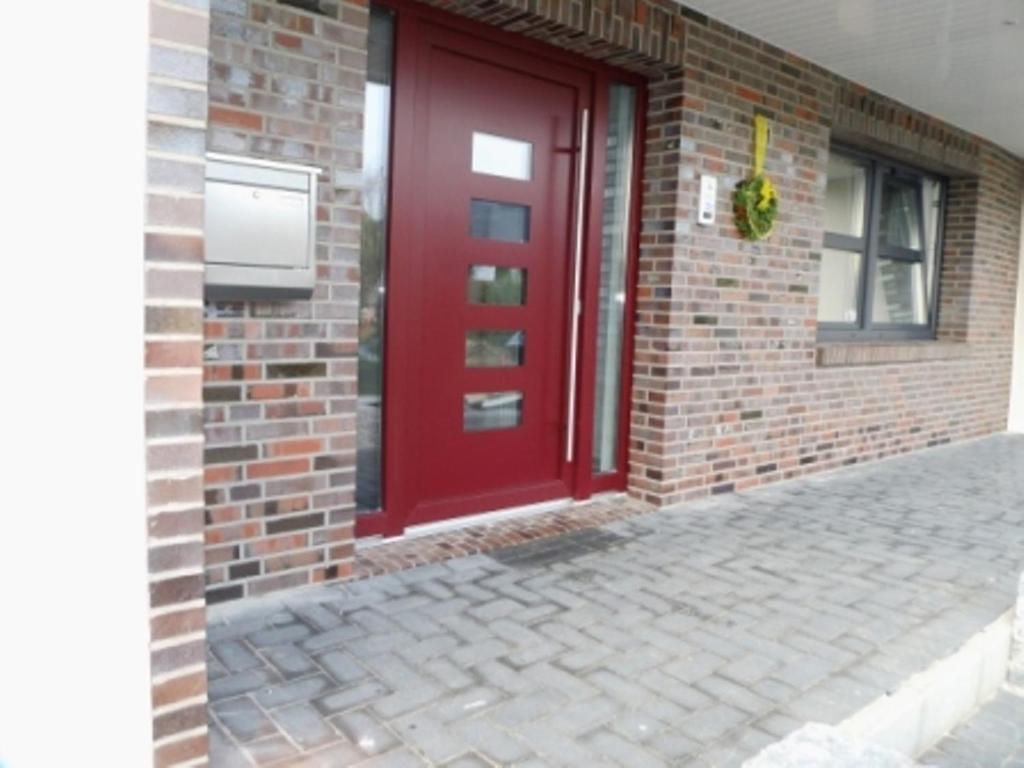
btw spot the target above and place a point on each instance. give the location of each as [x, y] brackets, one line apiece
[74, 660]
[1016, 419]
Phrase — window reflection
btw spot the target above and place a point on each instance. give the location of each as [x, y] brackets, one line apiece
[504, 286]
[614, 259]
[499, 221]
[495, 349]
[373, 250]
[500, 156]
[484, 411]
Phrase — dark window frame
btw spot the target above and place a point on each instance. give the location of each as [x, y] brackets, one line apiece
[871, 248]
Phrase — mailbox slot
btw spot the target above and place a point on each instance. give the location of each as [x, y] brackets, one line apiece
[260, 228]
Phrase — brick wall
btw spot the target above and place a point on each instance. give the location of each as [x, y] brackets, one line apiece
[280, 376]
[731, 387]
[176, 141]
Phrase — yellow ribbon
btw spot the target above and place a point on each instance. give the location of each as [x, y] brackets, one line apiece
[760, 143]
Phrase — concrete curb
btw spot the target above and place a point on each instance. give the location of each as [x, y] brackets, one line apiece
[1015, 673]
[931, 703]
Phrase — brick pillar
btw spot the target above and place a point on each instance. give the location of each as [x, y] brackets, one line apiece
[655, 413]
[176, 146]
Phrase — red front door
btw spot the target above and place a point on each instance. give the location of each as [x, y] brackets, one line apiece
[481, 276]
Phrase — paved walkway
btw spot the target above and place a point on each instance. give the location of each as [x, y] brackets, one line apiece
[689, 637]
[993, 738]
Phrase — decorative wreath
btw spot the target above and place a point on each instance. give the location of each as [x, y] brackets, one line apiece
[756, 203]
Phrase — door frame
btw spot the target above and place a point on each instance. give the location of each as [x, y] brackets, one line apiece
[408, 15]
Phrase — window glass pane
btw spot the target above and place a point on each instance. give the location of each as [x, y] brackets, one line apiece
[900, 295]
[932, 248]
[499, 221]
[900, 216]
[614, 259]
[498, 156]
[373, 248]
[495, 349]
[492, 410]
[845, 196]
[840, 286]
[496, 285]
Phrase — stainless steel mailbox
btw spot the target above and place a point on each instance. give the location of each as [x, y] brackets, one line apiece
[260, 228]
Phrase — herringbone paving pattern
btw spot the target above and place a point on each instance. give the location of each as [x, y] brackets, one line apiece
[687, 637]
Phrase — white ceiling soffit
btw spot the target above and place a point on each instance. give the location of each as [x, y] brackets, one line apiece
[959, 60]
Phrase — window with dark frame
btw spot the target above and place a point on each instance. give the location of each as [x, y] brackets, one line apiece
[883, 245]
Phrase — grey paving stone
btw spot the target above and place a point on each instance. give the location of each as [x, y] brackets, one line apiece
[711, 724]
[449, 675]
[695, 666]
[341, 666]
[637, 727]
[337, 754]
[350, 697]
[477, 653]
[406, 699]
[365, 732]
[243, 682]
[494, 743]
[673, 747]
[289, 633]
[720, 689]
[469, 703]
[522, 709]
[555, 748]
[224, 753]
[289, 661]
[318, 616]
[243, 719]
[554, 679]
[397, 758]
[332, 638]
[699, 634]
[270, 750]
[429, 736]
[235, 655]
[304, 725]
[469, 760]
[778, 724]
[437, 647]
[278, 695]
[582, 716]
[749, 669]
[805, 673]
[505, 677]
[621, 752]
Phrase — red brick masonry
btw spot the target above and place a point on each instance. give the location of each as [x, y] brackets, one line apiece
[173, 252]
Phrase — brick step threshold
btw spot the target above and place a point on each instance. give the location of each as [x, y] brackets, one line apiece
[898, 727]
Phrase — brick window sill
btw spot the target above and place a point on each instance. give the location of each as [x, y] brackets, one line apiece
[834, 355]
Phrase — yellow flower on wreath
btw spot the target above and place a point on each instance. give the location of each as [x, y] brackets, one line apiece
[767, 195]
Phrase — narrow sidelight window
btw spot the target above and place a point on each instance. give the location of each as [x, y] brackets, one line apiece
[373, 251]
[611, 317]
[883, 238]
